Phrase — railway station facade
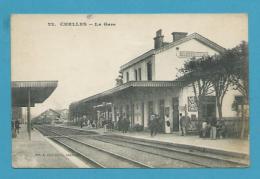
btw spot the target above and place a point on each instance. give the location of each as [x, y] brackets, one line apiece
[151, 84]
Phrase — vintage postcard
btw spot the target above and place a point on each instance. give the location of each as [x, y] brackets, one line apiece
[130, 91]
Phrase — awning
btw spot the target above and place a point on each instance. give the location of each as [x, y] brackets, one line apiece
[131, 84]
[39, 92]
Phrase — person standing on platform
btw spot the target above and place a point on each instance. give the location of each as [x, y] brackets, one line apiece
[183, 124]
[204, 129]
[152, 124]
[213, 129]
[124, 124]
[13, 129]
[81, 122]
[157, 124]
[221, 129]
[119, 123]
[127, 124]
[17, 126]
[167, 124]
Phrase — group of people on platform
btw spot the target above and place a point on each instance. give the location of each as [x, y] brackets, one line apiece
[213, 128]
[87, 122]
[123, 123]
[209, 128]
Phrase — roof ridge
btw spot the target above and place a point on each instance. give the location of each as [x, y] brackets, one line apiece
[194, 35]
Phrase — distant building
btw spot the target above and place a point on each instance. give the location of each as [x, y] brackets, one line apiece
[47, 117]
[150, 84]
[64, 114]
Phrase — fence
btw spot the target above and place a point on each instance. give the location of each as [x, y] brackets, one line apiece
[233, 127]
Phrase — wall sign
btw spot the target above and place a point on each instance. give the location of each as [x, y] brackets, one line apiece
[192, 106]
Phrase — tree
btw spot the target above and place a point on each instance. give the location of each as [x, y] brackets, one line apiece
[240, 79]
[240, 74]
[193, 72]
[211, 72]
[220, 68]
[220, 73]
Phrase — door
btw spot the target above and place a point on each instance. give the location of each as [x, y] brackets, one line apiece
[150, 111]
[162, 115]
[132, 115]
[142, 109]
[209, 107]
[175, 114]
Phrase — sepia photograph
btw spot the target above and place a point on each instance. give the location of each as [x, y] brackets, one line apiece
[130, 91]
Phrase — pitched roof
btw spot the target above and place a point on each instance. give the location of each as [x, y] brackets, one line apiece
[137, 59]
[48, 110]
[195, 36]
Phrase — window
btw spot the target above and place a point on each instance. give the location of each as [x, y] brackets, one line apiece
[239, 100]
[136, 77]
[127, 76]
[149, 71]
[140, 74]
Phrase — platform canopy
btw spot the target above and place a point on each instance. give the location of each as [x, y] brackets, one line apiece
[38, 91]
[124, 88]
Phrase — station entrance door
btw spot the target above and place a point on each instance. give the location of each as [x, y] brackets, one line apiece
[209, 107]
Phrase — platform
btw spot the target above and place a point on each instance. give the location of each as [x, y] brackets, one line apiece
[40, 152]
[228, 145]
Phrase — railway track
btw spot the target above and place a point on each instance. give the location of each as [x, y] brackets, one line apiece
[46, 131]
[96, 155]
[195, 157]
[61, 131]
[91, 154]
[113, 151]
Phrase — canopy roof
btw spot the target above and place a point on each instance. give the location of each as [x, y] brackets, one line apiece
[128, 85]
[39, 92]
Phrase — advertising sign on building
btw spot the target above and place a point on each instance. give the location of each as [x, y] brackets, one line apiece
[192, 106]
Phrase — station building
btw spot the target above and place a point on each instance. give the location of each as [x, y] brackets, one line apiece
[151, 84]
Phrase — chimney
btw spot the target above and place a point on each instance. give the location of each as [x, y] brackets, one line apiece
[178, 35]
[158, 39]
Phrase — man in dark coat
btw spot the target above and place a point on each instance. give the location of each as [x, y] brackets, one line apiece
[124, 124]
[17, 125]
[183, 124]
[119, 123]
[127, 124]
[154, 122]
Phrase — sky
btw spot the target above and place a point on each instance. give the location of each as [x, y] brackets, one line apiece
[86, 59]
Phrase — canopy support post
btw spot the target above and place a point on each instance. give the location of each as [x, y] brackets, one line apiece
[29, 114]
